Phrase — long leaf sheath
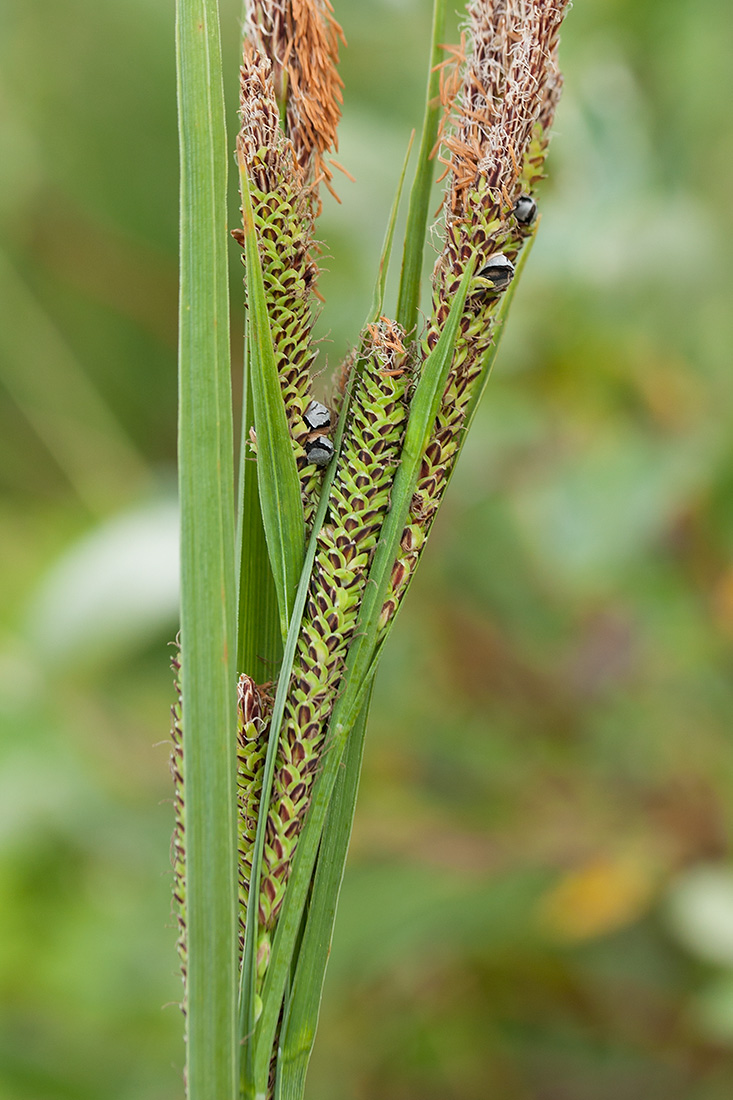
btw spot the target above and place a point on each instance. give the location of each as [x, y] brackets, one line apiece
[496, 154]
[282, 206]
[358, 502]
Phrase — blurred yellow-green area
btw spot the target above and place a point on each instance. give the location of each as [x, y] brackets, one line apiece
[539, 899]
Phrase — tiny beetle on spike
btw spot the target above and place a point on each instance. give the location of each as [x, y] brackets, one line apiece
[525, 210]
[498, 272]
[317, 417]
[319, 450]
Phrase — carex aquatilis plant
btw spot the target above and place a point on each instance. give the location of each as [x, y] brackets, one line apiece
[293, 570]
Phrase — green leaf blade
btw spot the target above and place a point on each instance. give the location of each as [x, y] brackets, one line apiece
[408, 301]
[207, 561]
[254, 1071]
[377, 306]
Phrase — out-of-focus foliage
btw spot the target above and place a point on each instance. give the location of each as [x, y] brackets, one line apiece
[539, 901]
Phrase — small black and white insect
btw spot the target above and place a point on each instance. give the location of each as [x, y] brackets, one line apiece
[525, 210]
[317, 417]
[319, 450]
[497, 273]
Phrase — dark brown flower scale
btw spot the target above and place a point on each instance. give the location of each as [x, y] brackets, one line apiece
[283, 217]
[358, 502]
[495, 153]
[254, 706]
[178, 845]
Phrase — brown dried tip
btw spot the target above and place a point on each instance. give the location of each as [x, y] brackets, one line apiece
[301, 39]
[268, 154]
[511, 83]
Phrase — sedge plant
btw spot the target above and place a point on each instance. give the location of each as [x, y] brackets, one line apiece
[294, 570]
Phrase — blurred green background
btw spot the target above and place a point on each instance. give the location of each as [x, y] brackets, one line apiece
[539, 898]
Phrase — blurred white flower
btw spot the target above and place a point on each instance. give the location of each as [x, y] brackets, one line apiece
[699, 911]
[113, 590]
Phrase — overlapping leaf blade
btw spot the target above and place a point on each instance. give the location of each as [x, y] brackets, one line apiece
[207, 560]
[408, 299]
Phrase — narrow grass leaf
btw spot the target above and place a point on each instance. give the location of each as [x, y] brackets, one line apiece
[359, 671]
[408, 300]
[207, 561]
[423, 410]
[277, 472]
[377, 307]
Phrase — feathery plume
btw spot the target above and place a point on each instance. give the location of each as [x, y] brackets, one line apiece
[301, 39]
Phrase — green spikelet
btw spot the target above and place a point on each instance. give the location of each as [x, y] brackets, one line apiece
[487, 236]
[283, 214]
[495, 156]
[357, 505]
[178, 846]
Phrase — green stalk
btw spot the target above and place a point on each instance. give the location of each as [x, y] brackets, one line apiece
[408, 300]
[207, 560]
